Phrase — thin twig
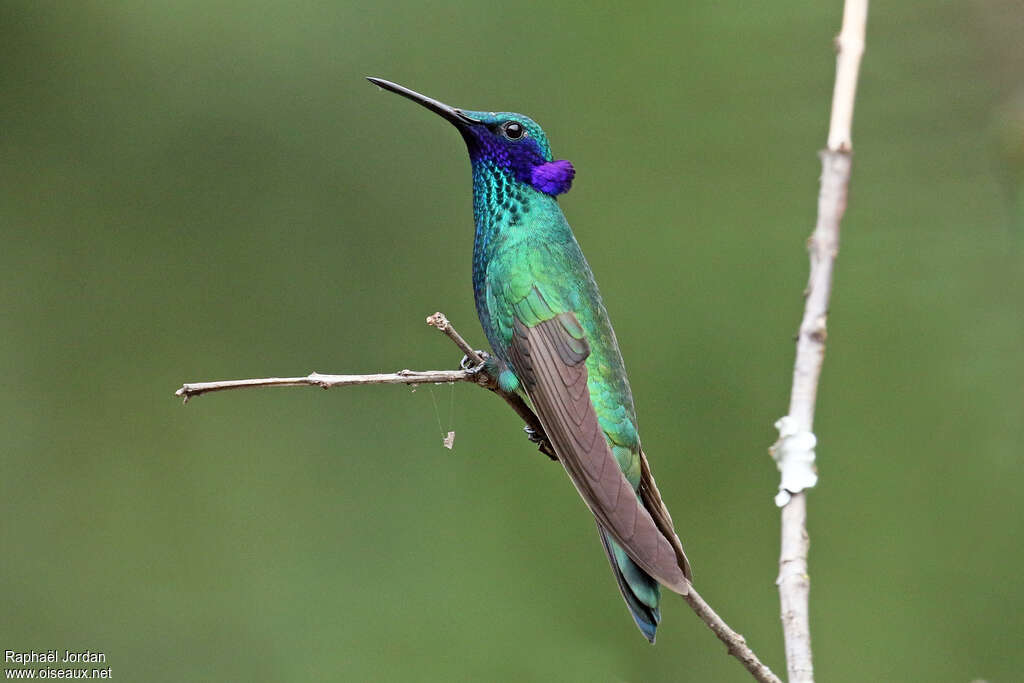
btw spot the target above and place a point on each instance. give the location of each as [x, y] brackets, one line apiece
[315, 379]
[475, 371]
[734, 642]
[823, 245]
[442, 323]
[533, 428]
[478, 374]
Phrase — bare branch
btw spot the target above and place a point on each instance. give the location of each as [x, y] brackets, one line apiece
[734, 642]
[479, 374]
[315, 379]
[476, 372]
[849, 49]
[442, 323]
[793, 580]
[533, 428]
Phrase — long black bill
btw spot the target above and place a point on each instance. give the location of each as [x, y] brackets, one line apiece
[456, 116]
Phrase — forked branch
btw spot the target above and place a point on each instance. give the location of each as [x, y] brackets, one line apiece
[475, 370]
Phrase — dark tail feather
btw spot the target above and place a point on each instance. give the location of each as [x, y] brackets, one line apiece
[640, 591]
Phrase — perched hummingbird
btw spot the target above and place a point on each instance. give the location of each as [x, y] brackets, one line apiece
[544, 318]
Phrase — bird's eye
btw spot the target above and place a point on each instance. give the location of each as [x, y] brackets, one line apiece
[513, 130]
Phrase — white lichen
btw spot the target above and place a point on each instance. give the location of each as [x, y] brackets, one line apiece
[794, 455]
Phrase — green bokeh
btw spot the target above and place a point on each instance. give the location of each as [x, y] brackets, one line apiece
[199, 190]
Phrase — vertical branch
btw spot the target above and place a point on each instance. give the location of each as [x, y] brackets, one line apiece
[793, 580]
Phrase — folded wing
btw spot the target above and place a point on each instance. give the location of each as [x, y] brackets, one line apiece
[549, 357]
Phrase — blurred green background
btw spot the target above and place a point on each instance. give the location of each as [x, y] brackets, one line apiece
[210, 190]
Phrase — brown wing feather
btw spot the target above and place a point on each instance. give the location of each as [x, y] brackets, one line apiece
[651, 496]
[550, 361]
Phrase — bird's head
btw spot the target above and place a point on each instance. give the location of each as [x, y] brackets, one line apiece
[509, 141]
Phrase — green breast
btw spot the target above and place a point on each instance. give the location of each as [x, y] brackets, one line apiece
[538, 254]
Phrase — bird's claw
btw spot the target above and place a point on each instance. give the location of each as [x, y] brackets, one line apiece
[469, 366]
[532, 435]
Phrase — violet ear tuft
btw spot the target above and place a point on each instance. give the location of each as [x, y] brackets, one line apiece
[553, 177]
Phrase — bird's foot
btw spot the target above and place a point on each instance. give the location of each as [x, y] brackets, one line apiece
[538, 438]
[532, 435]
[472, 368]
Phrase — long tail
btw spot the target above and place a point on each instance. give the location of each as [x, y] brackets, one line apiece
[641, 592]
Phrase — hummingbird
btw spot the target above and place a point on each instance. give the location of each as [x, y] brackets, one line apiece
[552, 339]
